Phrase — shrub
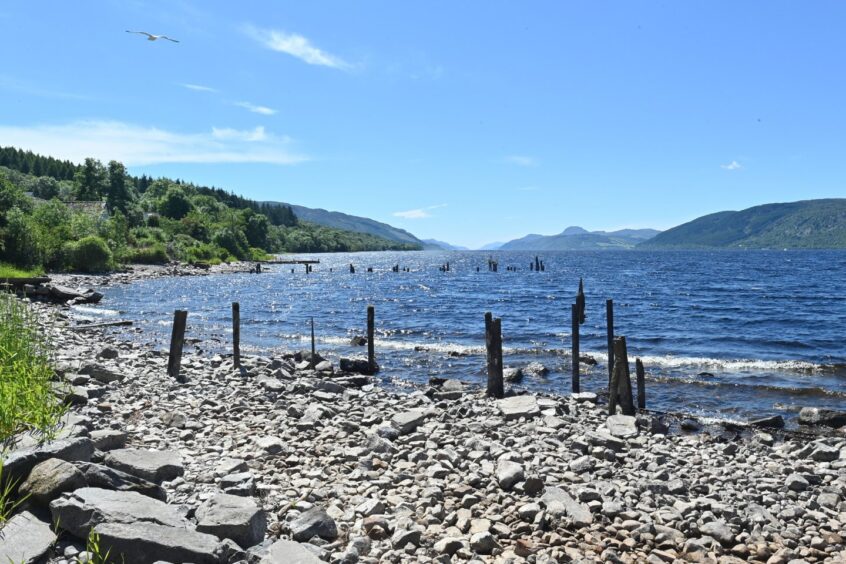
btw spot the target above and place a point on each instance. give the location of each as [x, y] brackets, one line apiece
[233, 240]
[154, 254]
[90, 254]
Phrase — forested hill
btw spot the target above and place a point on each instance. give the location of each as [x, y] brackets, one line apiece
[808, 224]
[58, 215]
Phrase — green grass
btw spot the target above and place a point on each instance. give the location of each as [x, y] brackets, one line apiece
[27, 399]
[9, 271]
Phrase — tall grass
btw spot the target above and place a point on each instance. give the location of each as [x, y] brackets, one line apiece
[27, 399]
[9, 271]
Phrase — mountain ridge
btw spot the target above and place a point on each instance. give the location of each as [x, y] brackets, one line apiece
[576, 238]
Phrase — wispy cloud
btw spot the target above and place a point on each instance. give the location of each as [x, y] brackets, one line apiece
[733, 165]
[296, 46]
[419, 213]
[22, 86]
[522, 160]
[136, 145]
[263, 110]
[198, 87]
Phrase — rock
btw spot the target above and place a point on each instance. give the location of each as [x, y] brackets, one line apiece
[290, 552]
[408, 421]
[240, 483]
[449, 545]
[270, 445]
[536, 370]
[100, 476]
[404, 537]
[143, 543]
[584, 397]
[622, 426]
[151, 465]
[719, 531]
[355, 365]
[19, 463]
[25, 539]
[324, 366]
[774, 422]
[817, 416]
[108, 439]
[508, 474]
[271, 384]
[483, 543]
[690, 424]
[314, 522]
[81, 510]
[825, 453]
[230, 466]
[51, 478]
[101, 373]
[232, 517]
[516, 407]
[558, 502]
[513, 375]
[174, 419]
[797, 483]
[108, 353]
[358, 341]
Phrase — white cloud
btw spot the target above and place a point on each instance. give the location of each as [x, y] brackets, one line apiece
[521, 160]
[198, 87]
[296, 46]
[733, 165]
[135, 145]
[263, 110]
[419, 213]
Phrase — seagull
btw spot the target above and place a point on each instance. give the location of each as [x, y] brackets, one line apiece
[151, 37]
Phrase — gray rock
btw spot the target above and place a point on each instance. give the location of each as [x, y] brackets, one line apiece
[25, 539]
[108, 439]
[108, 353]
[508, 474]
[270, 445]
[825, 453]
[404, 537]
[449, 545]
[512, 374]
[101, 373]
[719, 531]
[271, 384]
[51, 478]
[142, 543]
[240, 483]
[483, 543]
[774, 422]
[558, 503]
[516, 407]
[232, 517]
[230, 466]
[290, 552]
[100, 476]
[797, 483]
[585, 397]
[536, 370]
[622, 426]
[817, 416]
[408, 421]
[174, 419]
[151, 465]
[354, 365]
[314, 522]
[81, 510]
[19, 463]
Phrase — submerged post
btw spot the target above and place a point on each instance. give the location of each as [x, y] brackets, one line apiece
[488, 323]
[313, 350]
[236, 334]
[496, 388]
[574, 309]
[177, 339]
[609, 314]
[641, 384]
[371, 345]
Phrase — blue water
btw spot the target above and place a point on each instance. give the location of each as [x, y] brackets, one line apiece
[725, 334]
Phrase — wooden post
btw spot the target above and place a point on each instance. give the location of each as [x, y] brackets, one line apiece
[620, 389]
[177, 339]
[609, 314]
[313, 350]
[496, 388]
[627, 400]
[236, 334]
[488, 323]
[580, 301]
[617, 373]
[574, 309]
[641, 384]
[371, 345]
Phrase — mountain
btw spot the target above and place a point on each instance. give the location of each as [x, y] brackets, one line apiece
[578, 239]
[357, 224]
[808, 224]
[492, 246]
[444, 246]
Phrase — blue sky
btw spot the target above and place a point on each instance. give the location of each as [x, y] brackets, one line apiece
[468, 122]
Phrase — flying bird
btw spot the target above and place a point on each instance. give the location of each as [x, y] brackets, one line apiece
[151, 37]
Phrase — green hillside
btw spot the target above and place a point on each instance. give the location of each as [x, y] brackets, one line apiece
[809, 224]
[578, 239]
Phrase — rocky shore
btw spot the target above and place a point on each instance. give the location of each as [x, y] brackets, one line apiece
[278, 462]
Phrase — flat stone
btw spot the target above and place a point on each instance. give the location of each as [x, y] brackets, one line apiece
[408, 421]
[622, 426]
[558, 502]
[85, 508]
[719, 531]
[270, 445]
[25, 539]
[108, 439]
[774, 422]
[143, 542]
[232, 517]
[230, 466]
[825, 453]
[511, 374]
[516, 407]
[240, 483]
[508, 474]
[585, 397]
[797, 483]
[290, 552]
[18, 463]
[100, 476]
[151, 465]
[101, 373]
[314, 522]
[404, 537]
[483, 543]
[51, 478]
[817, 416]
[271, 384]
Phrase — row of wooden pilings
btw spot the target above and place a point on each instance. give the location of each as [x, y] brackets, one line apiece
[619, 378]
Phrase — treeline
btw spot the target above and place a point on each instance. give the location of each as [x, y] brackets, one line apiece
[101, 216]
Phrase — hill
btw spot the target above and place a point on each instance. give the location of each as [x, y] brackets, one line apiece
[356, 224]
[578, 239]
[808, 224]
[441, 245]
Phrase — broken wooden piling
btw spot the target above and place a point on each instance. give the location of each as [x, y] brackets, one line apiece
[609, 314]
[574, 314]
[641, 384]
[493, 341]
[236, 334]
[177, 340]
[371, 336]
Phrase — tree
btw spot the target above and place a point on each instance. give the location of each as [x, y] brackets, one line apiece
[20, 240]
[175, 203]
[45, 187]
[118, 196]
[256, 229]
[11, 196]
[90, 181]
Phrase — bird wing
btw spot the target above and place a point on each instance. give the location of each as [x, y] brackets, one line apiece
[142, 33]
[168, 38]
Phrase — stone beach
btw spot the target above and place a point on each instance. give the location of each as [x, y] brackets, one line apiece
[279, 462]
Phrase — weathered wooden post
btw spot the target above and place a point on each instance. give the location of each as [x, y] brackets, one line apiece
[574, 309]
[626, 399]
[488, 322]
[371, 345]
[496, 387]
[641, 384]
[313, 349]
[609, 314]
[236, 334]
[580, 301]
[620, 389]
[177, 339]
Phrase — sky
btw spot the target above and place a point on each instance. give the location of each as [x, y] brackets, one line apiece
[468, 122]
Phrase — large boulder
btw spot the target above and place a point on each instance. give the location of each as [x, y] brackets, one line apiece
[536, 370]
[622, 426]
[289, 552]
[817, 416]
[311, 523]
[85, 508]
[152, 465]
[25, 538]
[519, 406]
[559, 503]
[233, 517]
[100, 476]
[51, 478]
[143, 543]
[408, 421]
[19, 463]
